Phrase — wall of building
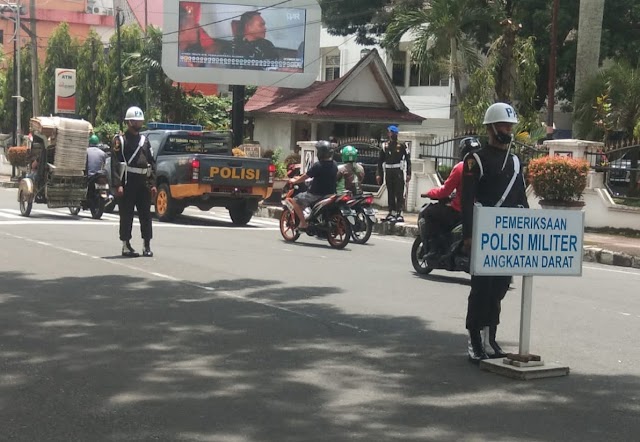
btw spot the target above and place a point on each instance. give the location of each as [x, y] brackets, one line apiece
[273, 133]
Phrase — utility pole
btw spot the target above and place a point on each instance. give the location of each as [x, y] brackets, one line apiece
[146, 77]
[119, 23]
[35, 77]
[551, 86]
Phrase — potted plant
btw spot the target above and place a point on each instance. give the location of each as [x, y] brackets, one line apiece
[558, 181]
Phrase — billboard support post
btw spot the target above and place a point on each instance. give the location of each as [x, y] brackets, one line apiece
[237, 115]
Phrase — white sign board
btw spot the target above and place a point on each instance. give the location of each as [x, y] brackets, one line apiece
[511, 241]
[65, 91]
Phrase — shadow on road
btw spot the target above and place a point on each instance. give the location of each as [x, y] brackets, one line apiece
[112, 357]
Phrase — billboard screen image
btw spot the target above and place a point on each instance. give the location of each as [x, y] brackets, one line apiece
[241, 37]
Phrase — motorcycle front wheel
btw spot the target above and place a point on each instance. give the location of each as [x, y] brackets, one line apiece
[363, 229]
[340, 231]
[418, 259]
[288, 226]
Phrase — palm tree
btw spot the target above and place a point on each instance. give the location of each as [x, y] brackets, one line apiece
[440, 40]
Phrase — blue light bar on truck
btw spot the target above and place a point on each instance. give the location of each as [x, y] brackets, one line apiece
[174, 126]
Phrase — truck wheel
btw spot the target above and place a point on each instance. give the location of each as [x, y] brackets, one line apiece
[165, 205]
[240, 216]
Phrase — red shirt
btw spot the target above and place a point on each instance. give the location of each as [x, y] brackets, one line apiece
[453, 182]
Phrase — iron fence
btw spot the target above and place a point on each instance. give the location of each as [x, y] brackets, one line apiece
[619, 162]
[446, 153]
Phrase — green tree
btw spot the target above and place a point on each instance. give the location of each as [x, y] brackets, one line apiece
[367, 19]
[111, 104]
[9, 90]
[609, 102]
[92, 74]
[62, 53]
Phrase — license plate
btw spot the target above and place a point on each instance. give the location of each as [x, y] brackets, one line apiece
[288, 205]
[369, 211]
[102, 186]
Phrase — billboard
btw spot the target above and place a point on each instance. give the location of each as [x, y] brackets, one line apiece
[242, 42]
[65, 91]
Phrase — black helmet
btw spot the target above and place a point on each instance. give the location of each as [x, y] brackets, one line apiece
[324, 149]
[467, 145]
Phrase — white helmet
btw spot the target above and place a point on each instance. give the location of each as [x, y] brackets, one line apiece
[134, 114]
[500, 113]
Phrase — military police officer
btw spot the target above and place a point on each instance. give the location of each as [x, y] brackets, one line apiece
[492, 177]
[391, 156]
[133, 174]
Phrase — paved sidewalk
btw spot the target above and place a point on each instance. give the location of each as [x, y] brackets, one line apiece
[598, 247]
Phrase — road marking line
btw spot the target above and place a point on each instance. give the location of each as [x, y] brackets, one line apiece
[5, 214]
[192, 284]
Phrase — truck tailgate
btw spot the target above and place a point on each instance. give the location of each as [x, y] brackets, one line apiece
[236, 171]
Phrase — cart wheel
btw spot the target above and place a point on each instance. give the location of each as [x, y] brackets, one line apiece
[74, 210]
[26, 204]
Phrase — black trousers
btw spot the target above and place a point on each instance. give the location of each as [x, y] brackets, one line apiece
[483, 308]
[395, 189]
[439, 220]
[136, 195]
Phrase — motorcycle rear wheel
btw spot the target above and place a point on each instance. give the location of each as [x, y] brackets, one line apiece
[363, 229]
[340, 233]
[418, 259]
[26, 203]
[288, 226]
[97, 209]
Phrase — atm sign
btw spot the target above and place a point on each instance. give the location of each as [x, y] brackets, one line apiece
[236, 173]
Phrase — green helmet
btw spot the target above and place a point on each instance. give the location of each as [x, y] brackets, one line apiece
[93, 139]
[349, 154]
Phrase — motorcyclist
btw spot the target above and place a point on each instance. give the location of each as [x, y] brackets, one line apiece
[350, 174]
[324, 173]
[441, 218]
[96, 157]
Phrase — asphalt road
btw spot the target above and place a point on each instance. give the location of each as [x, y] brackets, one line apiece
[231, 334]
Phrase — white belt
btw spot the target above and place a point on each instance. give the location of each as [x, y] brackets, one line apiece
[138, 170]
[393, 166]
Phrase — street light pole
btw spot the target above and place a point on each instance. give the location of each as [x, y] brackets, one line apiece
[18, 94]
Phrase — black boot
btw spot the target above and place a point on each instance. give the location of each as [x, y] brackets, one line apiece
[128, 251]
[475, 349]
[497, 351]
[146, 251]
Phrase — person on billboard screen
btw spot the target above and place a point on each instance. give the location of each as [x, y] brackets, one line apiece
[193, 41]
[250, 39]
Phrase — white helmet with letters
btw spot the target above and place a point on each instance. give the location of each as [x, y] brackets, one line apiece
[500, 113]
[134, 113]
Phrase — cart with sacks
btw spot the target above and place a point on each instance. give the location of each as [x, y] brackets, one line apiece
[56, 175]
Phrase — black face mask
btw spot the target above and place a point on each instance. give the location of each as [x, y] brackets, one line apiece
[502, 138]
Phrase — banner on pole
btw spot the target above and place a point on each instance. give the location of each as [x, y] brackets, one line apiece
[65, 91]
[511, 241]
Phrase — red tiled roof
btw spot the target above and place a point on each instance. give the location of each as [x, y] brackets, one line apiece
[288, 101]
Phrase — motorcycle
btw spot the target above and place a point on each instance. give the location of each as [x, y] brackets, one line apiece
[453, 259]
[365, 217]
[330, 218]
[98, 195]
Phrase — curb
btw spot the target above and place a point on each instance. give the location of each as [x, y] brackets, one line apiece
[591, 253]
[9, 184]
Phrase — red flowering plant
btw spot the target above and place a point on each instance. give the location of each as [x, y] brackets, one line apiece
[559, 180]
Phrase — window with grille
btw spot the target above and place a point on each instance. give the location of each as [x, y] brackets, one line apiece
[399, 68]
[423, 76]
[331, 67]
